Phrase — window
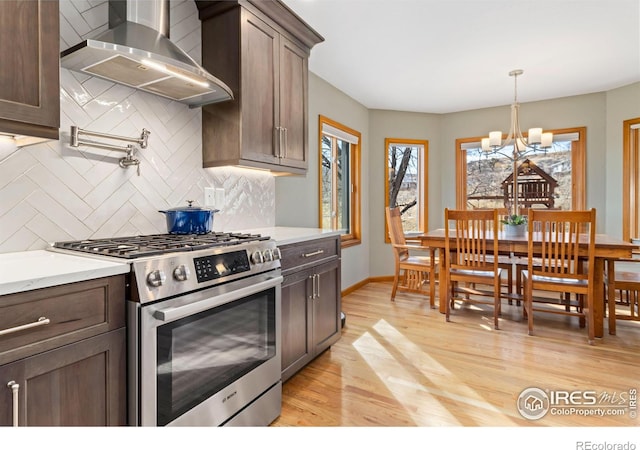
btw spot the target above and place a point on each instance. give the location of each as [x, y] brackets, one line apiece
[560, 174]
[631, 179]
[340, 180]
[406, 182]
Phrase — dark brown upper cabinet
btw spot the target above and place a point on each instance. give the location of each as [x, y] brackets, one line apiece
[260, 49]
[30, 69]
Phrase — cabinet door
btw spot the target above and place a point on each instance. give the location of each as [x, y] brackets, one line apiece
[293, 104]
[29, 72]
[296, 323]
[80, 384]
[259, 91]
[326, 306]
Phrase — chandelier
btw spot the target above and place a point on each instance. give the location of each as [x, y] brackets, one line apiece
[535, 140]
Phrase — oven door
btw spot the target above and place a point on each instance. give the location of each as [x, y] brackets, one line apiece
[205, 357]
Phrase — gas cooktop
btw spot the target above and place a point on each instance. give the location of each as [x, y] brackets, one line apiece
[132, 247]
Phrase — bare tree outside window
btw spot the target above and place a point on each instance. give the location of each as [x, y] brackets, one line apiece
[406, 181]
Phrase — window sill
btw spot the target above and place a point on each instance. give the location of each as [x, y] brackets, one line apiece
[349, 241]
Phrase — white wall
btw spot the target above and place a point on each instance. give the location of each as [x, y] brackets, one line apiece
[405, 125]
[297, 197]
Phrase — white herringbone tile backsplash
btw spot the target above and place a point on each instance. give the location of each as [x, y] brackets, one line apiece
[53, 192]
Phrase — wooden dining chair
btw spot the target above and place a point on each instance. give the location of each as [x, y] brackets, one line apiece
[412, 272]
[566, 249]
[624, 279]
[471, 246]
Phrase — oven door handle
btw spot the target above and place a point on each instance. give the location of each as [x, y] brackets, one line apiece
[170, 314]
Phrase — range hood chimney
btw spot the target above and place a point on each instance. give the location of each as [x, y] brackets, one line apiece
[136, 51]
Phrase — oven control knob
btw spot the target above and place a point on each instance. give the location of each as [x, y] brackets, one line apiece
[257, 258]
[268, 255]
[276, 254]
[181, 273]
[156, 278]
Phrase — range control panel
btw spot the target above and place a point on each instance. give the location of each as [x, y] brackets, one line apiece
[217, 266]
[183, 272]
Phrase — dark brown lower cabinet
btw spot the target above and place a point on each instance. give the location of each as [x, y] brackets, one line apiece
[326, 307]
[311, 303]
[80, 384]
[63, 355]
[296, 323]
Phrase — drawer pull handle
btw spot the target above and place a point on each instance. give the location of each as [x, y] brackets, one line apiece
[317, 252]
[41, 321]
[14, 388]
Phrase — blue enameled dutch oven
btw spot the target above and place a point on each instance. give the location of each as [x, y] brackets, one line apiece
[189, 219]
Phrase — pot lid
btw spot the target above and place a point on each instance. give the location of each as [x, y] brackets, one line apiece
[190, 207]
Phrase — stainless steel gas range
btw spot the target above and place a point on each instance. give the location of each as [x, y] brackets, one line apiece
[203, 326]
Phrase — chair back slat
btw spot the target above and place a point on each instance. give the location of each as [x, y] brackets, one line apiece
[473, 233]
[567, 240]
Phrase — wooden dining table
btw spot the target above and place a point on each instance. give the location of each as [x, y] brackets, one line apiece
[607, 248]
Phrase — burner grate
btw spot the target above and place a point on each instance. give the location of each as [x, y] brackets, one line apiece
[131, 247]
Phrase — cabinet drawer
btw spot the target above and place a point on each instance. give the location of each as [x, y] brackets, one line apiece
[308, 252]
[75, 311]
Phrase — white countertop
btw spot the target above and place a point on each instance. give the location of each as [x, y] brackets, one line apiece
[25, 271]
[290, 235]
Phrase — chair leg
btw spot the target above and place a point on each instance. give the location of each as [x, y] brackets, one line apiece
[394, 289]
[527, 307]
[529, 304]
[611, 301]
[510, 283]
[497, 301]
[452, 291]
[524, 309]
[449, 304]
[591, 320]
[432, 289]
[518, 283]
[567, 299]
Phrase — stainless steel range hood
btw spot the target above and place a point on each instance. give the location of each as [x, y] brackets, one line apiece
[136, 51]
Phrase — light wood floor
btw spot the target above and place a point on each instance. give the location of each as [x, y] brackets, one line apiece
[400, 364]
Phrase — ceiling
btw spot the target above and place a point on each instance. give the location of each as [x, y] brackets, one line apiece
[441, 56]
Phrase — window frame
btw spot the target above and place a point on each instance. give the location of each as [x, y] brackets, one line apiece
[354, 237]
[630, 178]
[578, 168]
[423, 207]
